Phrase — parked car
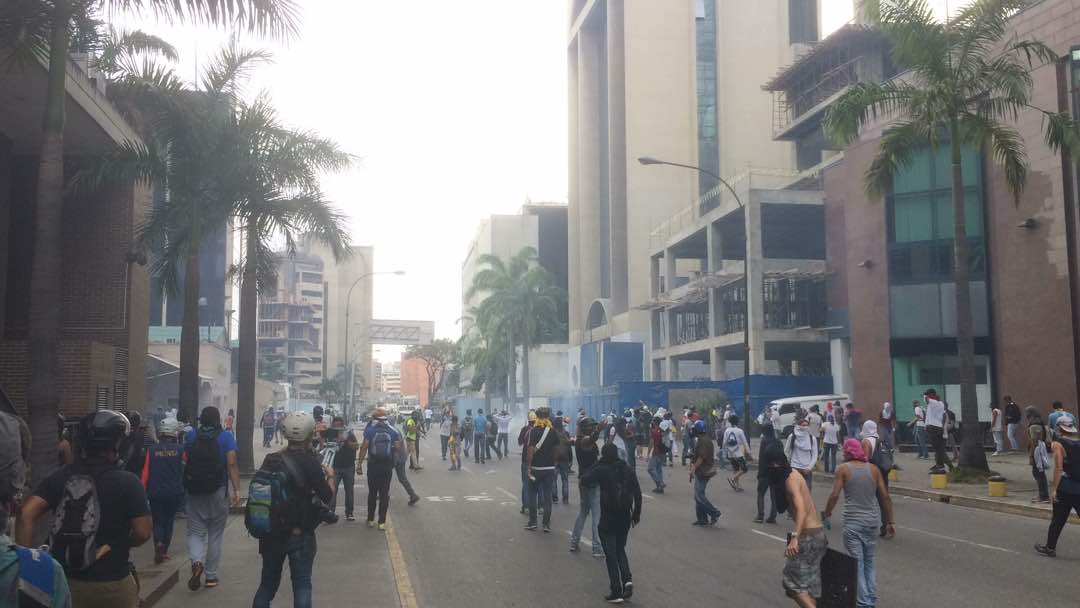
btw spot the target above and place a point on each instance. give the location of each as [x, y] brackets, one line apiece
[788, 407]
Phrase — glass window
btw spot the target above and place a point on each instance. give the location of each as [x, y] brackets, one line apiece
[912, 218]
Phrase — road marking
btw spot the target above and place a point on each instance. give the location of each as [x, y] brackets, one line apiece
[406, 595]
[646, 496]
[958, 540]
[467, 470]
[507, 493]
[767, 535]
[587, 543]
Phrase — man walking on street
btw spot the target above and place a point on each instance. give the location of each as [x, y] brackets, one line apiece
[1065, 488]
[657, 455]
[523, 442]
[918, 423]
[502, 444]
[444, 432]
[702, 469]
[620, 510]
[737, 451]
[1012, 423]
[541, 467]
[211, 469]
[935, 430]
[467, 432]
[344, 468]
[163, 478]
[587, 456]
[382, 444]
[401, 457]
[480, 438]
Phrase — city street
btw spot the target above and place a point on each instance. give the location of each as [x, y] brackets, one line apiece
[464, 545]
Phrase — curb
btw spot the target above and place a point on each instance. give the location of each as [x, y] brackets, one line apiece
[165, 584]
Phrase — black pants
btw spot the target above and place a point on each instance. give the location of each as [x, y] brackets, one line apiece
[491, 439]
[1062, 506]
[763, 487]
[379, 477]
[1040, 480]
[347, 478]
[444, 441]
[937, 440]
[502, 445]
[618, 566]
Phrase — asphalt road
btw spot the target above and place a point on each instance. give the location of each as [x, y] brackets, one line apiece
[464, 546]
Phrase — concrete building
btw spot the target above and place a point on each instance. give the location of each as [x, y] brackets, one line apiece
[890, 261]
[414, 379]
[287, 332]
[391, 381]
[215, 287]
[216, 373]
[104, 298]
[644, 81]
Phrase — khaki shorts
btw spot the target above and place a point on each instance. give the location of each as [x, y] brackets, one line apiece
[802, 573]
[123, 593]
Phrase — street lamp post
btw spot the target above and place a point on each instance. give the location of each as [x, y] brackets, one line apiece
[348, 299]
[648, 160]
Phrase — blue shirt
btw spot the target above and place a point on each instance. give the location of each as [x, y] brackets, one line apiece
[480, 425]
[1052, 420]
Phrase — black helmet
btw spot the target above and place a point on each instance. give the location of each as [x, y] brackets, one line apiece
[317, 412]
[103, 429]
[135, 418]
[586, 426]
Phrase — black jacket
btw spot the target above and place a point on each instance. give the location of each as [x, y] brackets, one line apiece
[1012, 413]
[606, 475]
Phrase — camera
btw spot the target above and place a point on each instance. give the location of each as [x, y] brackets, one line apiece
[323, 513]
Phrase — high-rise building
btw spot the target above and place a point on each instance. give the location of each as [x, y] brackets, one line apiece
[679, 81]
[391, 380]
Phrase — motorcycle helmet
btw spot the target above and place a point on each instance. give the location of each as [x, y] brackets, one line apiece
[103, 430]
[699, 427]
[169, 426]
[298, 426]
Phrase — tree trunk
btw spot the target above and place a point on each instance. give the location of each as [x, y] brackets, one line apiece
[248, 356]
[525, 343]
[972, 454]
[189, 340]
[511, 379]
[46, 375]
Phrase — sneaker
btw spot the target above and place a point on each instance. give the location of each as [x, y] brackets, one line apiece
[382, 527]
[414, 500]
[771, 520]
[196, 576]
[1038, 500]
[614, 599]
[522, 511]
[566, 501]
[628, 589]
[1044, 550]
[159, 553]
[699, 523]
[370, 523]
[211, 583]
[547, 529]
[350, 518]
[759, 519]
[713, 519]
[530, 527]
[573, 548]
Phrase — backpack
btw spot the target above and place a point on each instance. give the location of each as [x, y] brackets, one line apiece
[76, 520]
[882, 457]
[621, 499]
[205, 470]
[35, 586]
[275, 498]
[382, 445]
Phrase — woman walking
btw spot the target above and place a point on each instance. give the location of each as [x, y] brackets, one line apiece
[1038, 452]
[1065, 490]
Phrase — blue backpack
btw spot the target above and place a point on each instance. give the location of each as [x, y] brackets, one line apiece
[274, 504]
[382, 445]
[37, 578]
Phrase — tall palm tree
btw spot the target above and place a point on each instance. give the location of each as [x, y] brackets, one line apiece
[968, 82]
[45, 27]
[272, 176]
[520, 301]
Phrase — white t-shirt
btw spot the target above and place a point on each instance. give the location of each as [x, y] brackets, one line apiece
[998, 419]
[832, 433]
[815, 423]
[735, 451]
[920, 416]
[428, 414]
[935, 413]
[504, 423]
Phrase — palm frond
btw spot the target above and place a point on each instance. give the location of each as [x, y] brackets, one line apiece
[278, 18]
[1006, 145]
[897, 148]
[864, 103]
[230, 68]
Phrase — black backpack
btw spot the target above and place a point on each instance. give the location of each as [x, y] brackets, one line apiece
[883, 456]
[76, 521]
[205, 470]
[621, 499]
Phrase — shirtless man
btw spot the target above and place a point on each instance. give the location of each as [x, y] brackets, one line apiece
[807, 544]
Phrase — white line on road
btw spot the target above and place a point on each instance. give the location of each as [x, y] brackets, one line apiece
[587, 543]
[958, 540]
[467, 470]
[646, 496]
[507, 493]
[766, 534]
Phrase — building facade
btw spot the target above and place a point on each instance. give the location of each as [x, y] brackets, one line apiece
[647, 79]
[414, 379]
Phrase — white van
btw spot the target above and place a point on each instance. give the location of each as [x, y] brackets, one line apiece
[787, 407]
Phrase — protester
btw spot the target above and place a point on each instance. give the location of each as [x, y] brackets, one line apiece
[642, 430]
[1012, 423]
[480, 438]
[381, 443]
[657, 454]
[918, 424]
[1038, 452]
[563, 455]
[815, 420]
[878, 451]
[211, 466]
[344, 468]
[587, 456]
[163, 478]
[997, 429]
[412, 437]
[467, 432]
[935, 430]
[628, 434]
[702, 469]
[453, 442]
[523, 442]
[886, 423]
[133, 446]
[687, 436]
[952, 432]
[830, 440]
[737, 451]
[620, 510]
[490, 441]
[403, 455]
[104, 580]
[1065, 489]
[230, 421]
[807, 543]
[1057, 410]
[667, 427]
[502, 444]
[802, 448]
[863, 486]
[445, 432]
[768, 438]
[268, 423]
[541, 467]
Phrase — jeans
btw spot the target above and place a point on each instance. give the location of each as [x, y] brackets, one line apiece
[937, 439]
[631, 453]
[379, 477]
[1062, 506]
[163, 510]
[860, 542]
[444, 441]
[480, 448]
[618, 566]
[920, 441]
[1014, 443]
[590, 508]
[466, 441]
[268, 435]
[562, 472]
[404, 479]
[829, 455]
[300, 549]
[502, 444]
[656, 470]
[524, 485]
[687, 449]
[207, 516]
[1040, 480]
[540, 492]
[763, 487]
[999, 442]
[703, 509]
[346, 477]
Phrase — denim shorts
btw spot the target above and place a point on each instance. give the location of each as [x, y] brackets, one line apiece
[802, 573]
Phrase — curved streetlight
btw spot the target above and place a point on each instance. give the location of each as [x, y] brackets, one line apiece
[649, 160]
[348, 301]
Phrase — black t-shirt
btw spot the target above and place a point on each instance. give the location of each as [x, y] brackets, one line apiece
[313, 482]
[544, 458]
[122, 499]
[345, 458]
[587, 453]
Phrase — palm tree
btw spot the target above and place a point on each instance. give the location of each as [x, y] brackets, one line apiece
[520, 301]
[329, 391]
[271, 174]
[44, 28]
[968, 82]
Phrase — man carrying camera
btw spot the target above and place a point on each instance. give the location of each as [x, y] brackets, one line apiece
[313, 488]
[344, 463]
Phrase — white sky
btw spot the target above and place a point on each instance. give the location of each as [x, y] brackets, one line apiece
[457, 109]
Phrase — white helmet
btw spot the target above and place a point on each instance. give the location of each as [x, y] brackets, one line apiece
[298, 426]
[169, 426]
